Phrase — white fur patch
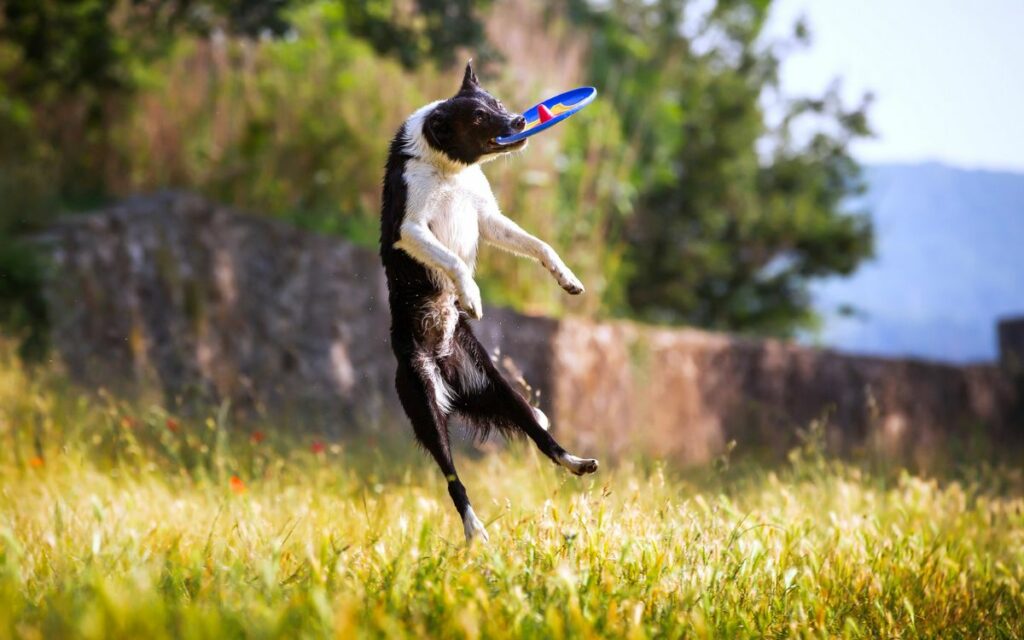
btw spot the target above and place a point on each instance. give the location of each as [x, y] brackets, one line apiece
[438, 323]
[471, 377]
[427, 367]
[542, 419]
[445, 205]
[473, 527]
[578, 466]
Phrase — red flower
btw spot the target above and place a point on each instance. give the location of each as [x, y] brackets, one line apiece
[256, 437]
[237, 485]
[317, 447]
[172, 425]
[36, 462]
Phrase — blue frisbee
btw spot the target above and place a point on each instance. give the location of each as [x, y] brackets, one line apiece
[550, 112]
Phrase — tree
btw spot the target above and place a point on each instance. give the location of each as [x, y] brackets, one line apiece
[415, 32]
[734, 217]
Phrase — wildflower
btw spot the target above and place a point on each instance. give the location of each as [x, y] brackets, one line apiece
[173, 425]
[128, 422]
[256, 437]
[237, 485]
[317, 447]
[36, 462]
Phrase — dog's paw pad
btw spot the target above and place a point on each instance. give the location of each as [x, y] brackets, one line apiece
[573, 287]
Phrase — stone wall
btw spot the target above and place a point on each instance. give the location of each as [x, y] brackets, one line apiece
[204, 301]
[207, 302]
[684, 393]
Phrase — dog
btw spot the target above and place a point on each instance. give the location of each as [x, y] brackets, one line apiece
[436, 206]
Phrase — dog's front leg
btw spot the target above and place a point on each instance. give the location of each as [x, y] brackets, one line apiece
[506, 234]
[419, 242]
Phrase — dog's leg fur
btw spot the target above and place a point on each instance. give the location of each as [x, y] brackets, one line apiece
[504, 233]
[419, 242]
[430, 423]
[497, 404]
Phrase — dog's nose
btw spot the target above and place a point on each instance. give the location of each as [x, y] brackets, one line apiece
[518, 123]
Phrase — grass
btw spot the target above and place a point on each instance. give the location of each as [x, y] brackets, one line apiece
[119, 520]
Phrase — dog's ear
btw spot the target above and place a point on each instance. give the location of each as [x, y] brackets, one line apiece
[437, 127]
[469, 81]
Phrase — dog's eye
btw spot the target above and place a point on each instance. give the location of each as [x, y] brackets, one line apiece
[478, 116]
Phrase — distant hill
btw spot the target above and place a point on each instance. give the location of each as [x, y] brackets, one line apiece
[950, 262]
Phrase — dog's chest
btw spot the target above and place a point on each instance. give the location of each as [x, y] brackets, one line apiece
[455, 222]
[454, 203]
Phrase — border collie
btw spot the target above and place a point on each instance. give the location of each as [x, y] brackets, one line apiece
[436, 206]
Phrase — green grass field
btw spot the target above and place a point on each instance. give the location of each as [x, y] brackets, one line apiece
[123, 521]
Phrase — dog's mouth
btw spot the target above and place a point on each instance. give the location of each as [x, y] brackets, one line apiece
[496, 147]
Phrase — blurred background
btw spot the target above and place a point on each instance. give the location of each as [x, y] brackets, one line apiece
[847, 174]
[199, 430]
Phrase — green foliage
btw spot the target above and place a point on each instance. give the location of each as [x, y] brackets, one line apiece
[572, 188]
[292, 127]
[64, 71]
[26, 206]
[433, 31]
[123, 520]
[64, 46]
[672, 196]
[734, 217]
[253, 18]
[23, 310]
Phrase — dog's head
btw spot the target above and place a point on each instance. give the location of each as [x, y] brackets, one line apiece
[465, 126]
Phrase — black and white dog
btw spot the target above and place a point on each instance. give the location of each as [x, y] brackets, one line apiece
[436, 207]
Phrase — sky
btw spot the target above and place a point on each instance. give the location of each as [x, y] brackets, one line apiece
[947, 75]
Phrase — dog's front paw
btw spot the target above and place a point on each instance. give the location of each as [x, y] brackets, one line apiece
[469, 299]
[565, 277]
[570, 283]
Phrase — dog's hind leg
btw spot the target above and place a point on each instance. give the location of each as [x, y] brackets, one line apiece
[491, 401]
[429, 419]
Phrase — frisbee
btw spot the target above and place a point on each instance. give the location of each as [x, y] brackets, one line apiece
[550, 112]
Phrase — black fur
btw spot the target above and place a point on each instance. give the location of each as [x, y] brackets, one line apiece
[463, 128]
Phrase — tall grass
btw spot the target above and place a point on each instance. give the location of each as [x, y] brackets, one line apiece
[121, 520]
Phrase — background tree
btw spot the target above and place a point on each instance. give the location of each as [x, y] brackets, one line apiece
[734, 217]
[421, 30]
